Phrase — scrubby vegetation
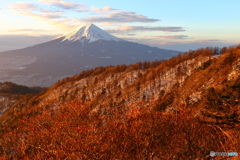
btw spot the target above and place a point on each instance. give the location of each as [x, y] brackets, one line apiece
[73, 131]
[181, 108]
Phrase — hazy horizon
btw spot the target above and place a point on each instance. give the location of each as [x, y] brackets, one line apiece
[169, 25]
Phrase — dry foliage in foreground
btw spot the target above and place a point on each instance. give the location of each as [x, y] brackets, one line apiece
[74, 131]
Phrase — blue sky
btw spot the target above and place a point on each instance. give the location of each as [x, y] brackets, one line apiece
[172, 24]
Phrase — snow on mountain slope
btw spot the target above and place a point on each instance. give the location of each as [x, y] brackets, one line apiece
[89, 33]
[84, 48]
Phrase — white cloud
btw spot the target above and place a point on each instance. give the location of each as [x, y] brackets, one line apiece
[172, 37]
[120, 17]
[65, 5]
[102, 10]
[129, 28]
[32, 10]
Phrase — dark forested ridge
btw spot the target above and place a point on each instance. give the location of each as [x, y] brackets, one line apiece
[11, 88]
[181, 108]
[11, 93]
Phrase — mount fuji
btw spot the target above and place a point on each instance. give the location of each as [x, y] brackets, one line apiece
[87, 34]
[83, 48]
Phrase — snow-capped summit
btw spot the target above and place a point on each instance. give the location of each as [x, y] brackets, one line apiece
[89, 33]
[83, 48]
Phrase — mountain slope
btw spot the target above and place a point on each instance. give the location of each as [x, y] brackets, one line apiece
[85, 48]
[10, 93]
[186, 80]
[180, 108]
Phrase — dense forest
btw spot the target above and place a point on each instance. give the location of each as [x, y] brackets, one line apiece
[180, 108]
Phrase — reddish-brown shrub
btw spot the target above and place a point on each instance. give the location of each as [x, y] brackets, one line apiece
[73, 131]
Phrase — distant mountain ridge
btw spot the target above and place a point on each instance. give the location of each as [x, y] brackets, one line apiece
[84, 48]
